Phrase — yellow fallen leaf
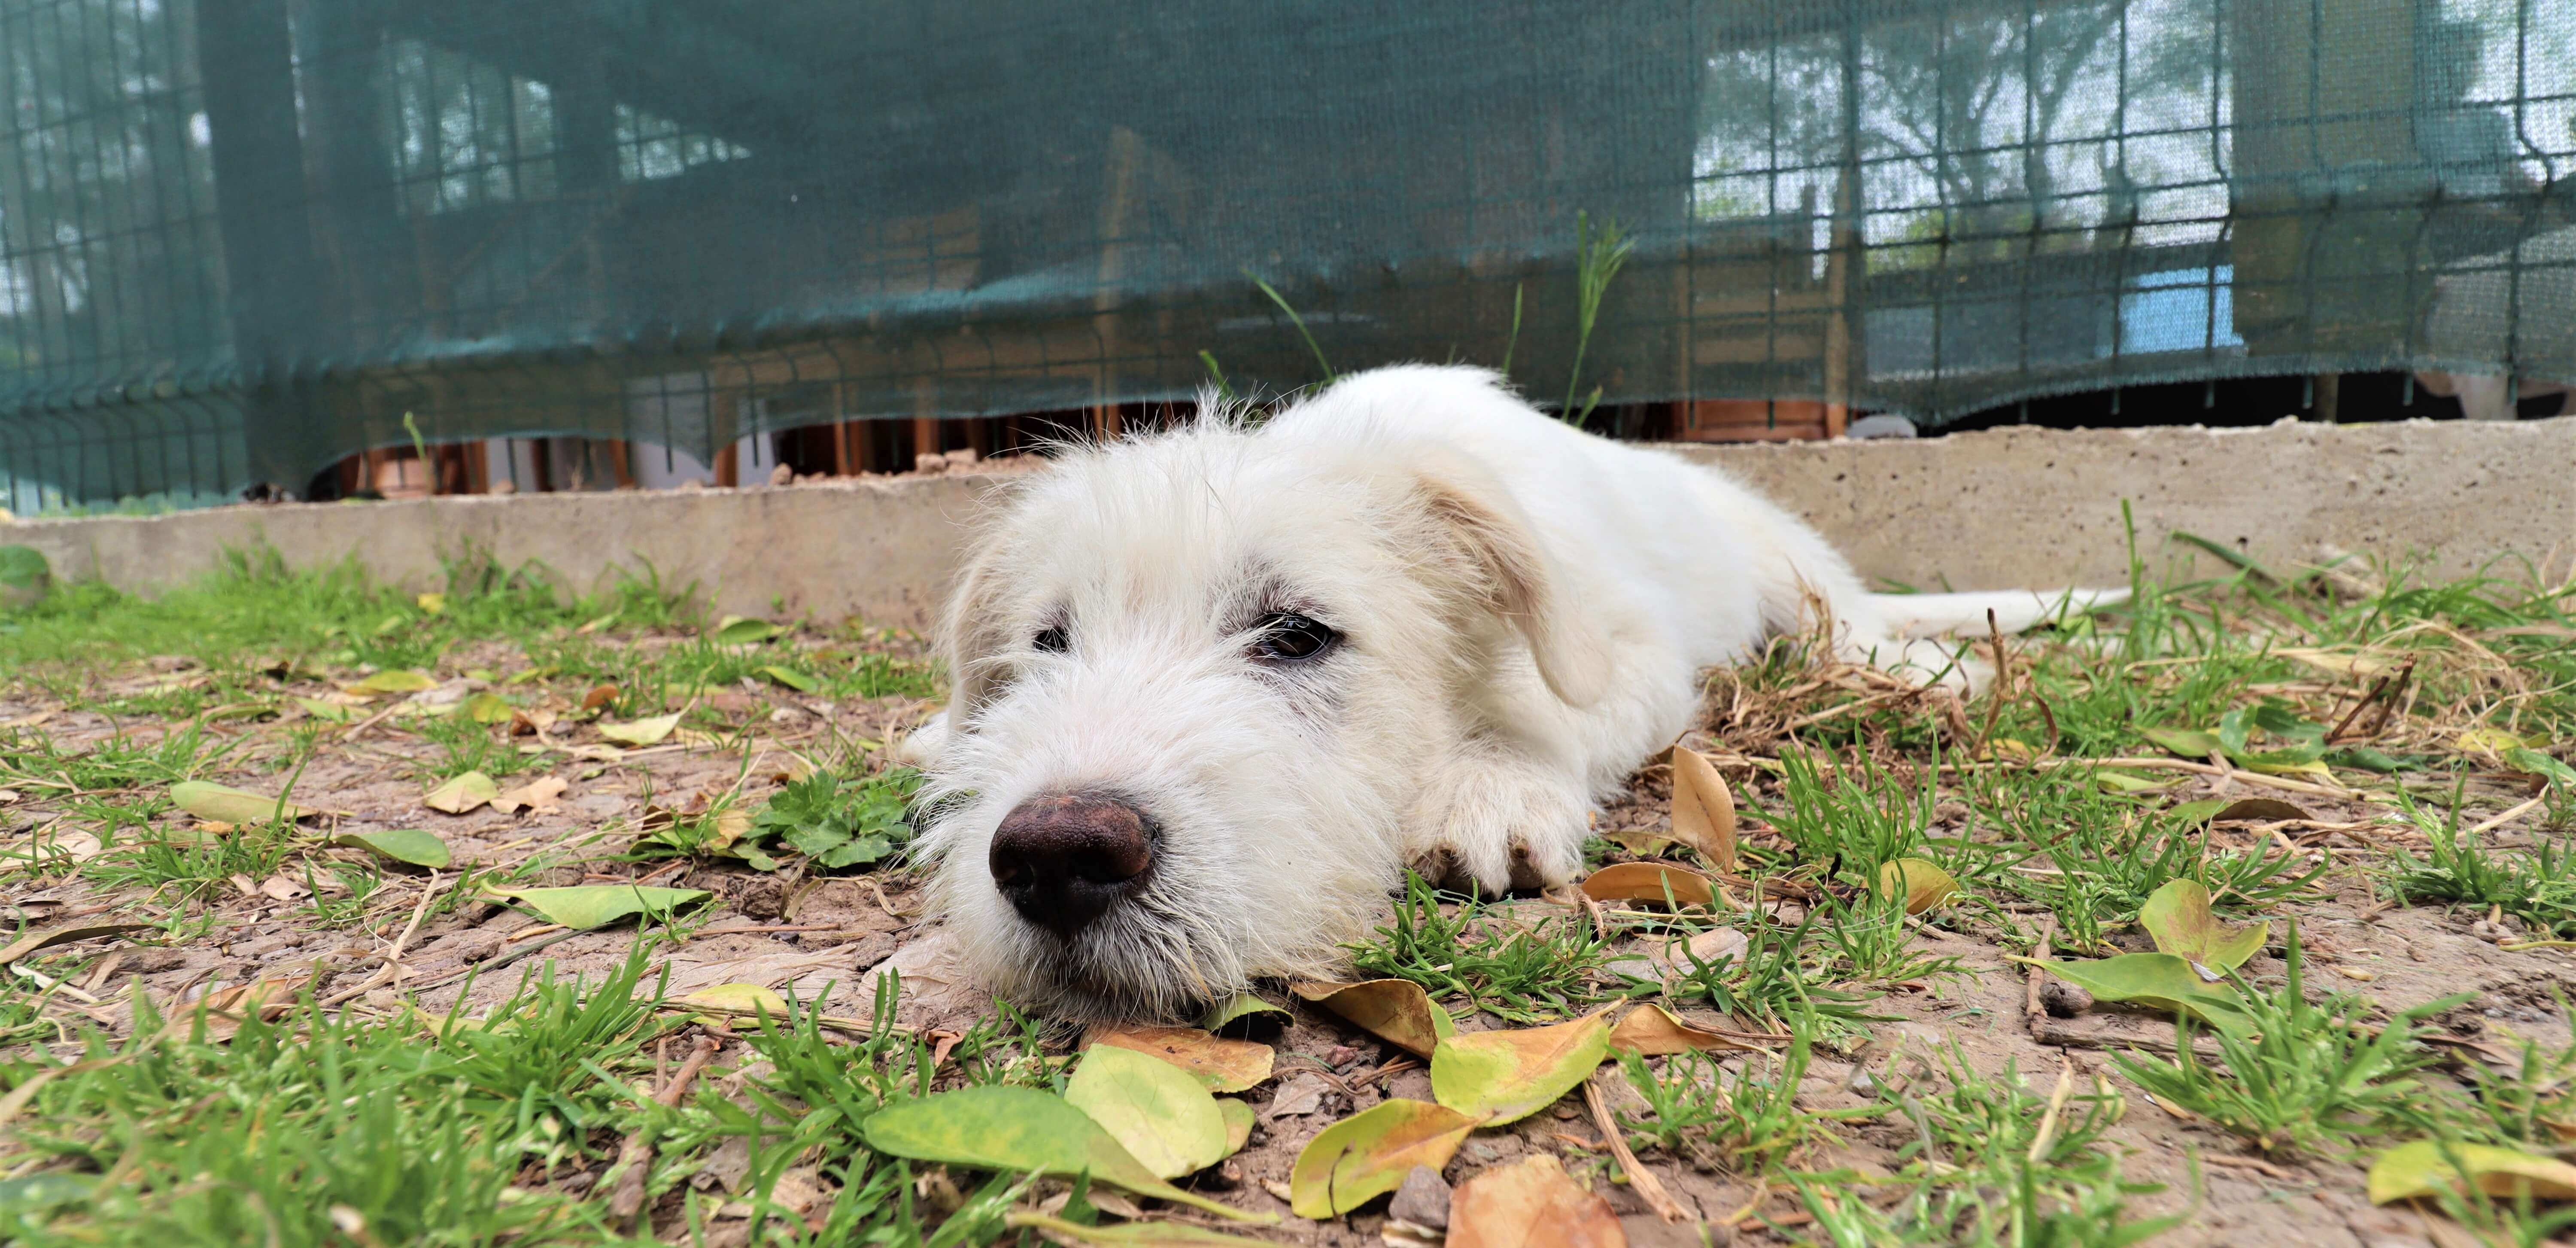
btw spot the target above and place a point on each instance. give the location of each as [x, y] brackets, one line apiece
[1395, 1010]
[1222, 1065]
[2419, 1169]
[1505, 1076]
[1650, 881]
[462, 794]
[1650, 1030]
[642, 731]
[1368, 1154]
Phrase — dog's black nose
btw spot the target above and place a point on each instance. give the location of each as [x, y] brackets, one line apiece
[1064, 858]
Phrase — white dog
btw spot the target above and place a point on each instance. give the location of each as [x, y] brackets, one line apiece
[1216, 688]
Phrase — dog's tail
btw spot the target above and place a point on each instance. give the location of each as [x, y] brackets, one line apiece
[1937, 615]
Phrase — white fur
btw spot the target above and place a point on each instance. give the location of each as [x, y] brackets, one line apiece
[1525, 610]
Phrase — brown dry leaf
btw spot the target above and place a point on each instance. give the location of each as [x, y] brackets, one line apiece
[599, 696]
[45, 938]
[1703, 808]
[1532, 1203]
[226, 1009]
[1649, 881]
[1395, 1010]
[1223, 1065]
[1652, 1031]
[280, 888]
[1299, 1096]
[539, 796]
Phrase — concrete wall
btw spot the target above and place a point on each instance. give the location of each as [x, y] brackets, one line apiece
[2026, 507]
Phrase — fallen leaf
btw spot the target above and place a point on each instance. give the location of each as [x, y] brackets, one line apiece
[740, 630]
[1220, 1064]
[489, 708]
[1239, 1121]
[2257, 809]
[586, 906]
[1703, 808]
[1650, 1030]
[391, 680]
[2485, 740]
[2113, 780]
[1639, 841]
[1299, 1096]
[223, 804]
[599, 696]
[462, 794]
[1649, 881]
[1531, 1203]
[431, 603]
[2420, 1169]
[2532, 762]
[225, 1010]
[791, 678]
[1922, 884]
[1017, 1131]
[1368, 1154]
[746, 1000]
[319, 709]
[1395, 1010]
[419, 848]
[2178, 916]
[536, 796]
[64, 933]
[1245, 1007]
[1505, 1076]
[1156, 1110]
[2161, 980]
[280, 888]
[642, 731]
[2191, 743]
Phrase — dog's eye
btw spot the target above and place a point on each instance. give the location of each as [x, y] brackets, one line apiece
[1293, 638]
[1050, 639]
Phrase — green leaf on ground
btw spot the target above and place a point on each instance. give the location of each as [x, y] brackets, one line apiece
[2162, 980]
[392, 680]
[488, 708]
[2531, 762]
[2191, 743]
[2179, 918]
[23, 567]
[586, 906]
[419, 848]
[2201, 811]
[1245, 1006]
[319, 709]
[1016, 1131]
[791, 678]
[1505, 1076]
[1368, 1154]
[738, 630]
[1238, 1118]
[1157, 1111]
[462, 794]
[218, 803]
[642, 731]
[2420, 1169]
[743, 1000]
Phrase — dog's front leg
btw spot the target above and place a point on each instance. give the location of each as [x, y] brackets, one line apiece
[1492, 817]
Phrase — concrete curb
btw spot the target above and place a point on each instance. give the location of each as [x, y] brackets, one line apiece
[2009, 507]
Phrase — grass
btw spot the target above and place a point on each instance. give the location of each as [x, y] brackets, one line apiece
[1488, 959]
[2315, 1078]
[503, 1124]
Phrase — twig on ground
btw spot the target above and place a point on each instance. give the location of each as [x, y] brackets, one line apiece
[2034, 1013]
[1640, 1180]
[635, 1156]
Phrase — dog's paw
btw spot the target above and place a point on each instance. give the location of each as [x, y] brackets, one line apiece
[1497, 824]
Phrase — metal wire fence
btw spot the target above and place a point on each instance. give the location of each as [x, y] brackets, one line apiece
[241, 242]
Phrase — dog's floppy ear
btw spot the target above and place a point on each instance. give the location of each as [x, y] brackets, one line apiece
[1483, 534]
[973, 631]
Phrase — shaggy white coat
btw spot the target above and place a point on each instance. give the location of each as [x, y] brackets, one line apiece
[1525, 610]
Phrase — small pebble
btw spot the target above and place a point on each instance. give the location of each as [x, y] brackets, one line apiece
[1422, 1200]
[2064, 1000]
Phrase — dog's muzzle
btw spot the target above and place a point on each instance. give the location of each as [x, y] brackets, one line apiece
[1063, 859]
